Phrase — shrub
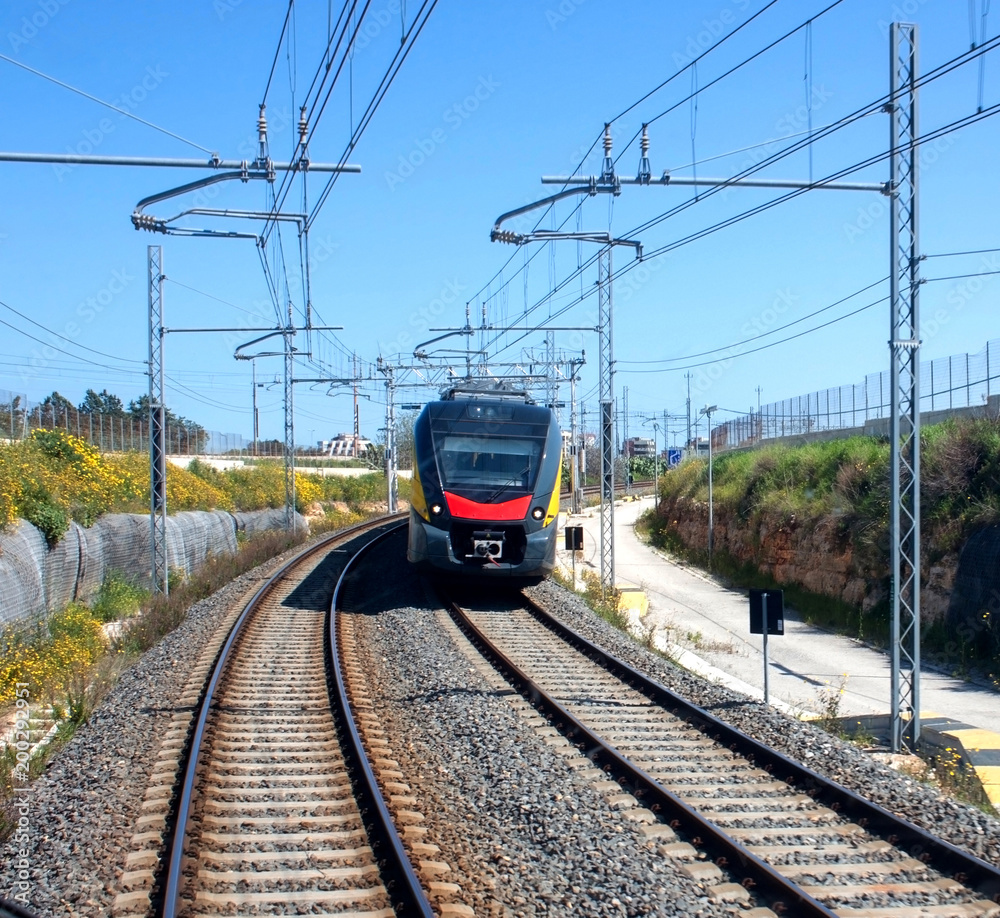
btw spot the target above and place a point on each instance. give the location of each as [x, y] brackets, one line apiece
[119, 597]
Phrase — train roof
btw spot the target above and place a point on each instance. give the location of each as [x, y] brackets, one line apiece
[492, 391]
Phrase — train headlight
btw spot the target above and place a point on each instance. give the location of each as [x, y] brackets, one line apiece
[436, 509]
[538, 513]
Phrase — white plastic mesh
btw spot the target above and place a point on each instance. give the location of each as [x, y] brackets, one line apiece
[251, 521]
[35, 579]
[22, 559]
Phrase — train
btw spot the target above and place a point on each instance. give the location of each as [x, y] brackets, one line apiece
[485, 492]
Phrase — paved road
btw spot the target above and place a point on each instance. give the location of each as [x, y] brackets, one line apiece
[706, 628]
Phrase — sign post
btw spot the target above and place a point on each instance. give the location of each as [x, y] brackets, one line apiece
[574, 543]
[767, 616]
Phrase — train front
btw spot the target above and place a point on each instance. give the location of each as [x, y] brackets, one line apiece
[485, 499]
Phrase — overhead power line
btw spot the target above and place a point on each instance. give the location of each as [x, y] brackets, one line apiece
[114, 108]
[772, 331]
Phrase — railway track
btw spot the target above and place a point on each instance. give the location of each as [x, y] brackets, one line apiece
[278, 812]
[757, 827]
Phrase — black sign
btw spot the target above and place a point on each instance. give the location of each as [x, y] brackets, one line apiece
[775, 611]
[574, 538]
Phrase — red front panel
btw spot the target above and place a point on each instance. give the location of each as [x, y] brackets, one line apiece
[464, 509]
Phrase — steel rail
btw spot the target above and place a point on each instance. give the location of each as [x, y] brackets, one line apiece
[763, 879]
[10, 909]
[400, 880]
[175, 832]
[941, 855]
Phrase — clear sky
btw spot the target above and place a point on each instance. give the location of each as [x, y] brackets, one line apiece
[491, 97]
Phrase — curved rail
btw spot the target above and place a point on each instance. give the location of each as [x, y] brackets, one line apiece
[781, 891]
[172, 885]
[943, 856]
[402, 883]
[720, 847]
[10, 909]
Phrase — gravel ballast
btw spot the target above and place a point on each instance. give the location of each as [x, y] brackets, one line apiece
[534, 837]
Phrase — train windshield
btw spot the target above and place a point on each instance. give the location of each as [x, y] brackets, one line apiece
[501, 464]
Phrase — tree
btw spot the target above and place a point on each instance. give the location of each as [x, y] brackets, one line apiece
[57, 410]
[139, 410]
[404, 439]
[57, 402]
[102, 403]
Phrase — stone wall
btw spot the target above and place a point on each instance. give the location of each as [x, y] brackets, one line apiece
[816, 554]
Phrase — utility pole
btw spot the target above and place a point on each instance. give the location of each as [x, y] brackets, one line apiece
[627, 450]
[687, 446]
[357, 419]
[256, 417]
[576, 488]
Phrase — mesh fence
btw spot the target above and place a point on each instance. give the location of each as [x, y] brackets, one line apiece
[949, 384]
[120, 432]
[251, 521]
[35, 579]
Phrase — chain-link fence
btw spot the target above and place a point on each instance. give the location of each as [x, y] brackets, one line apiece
[961, 384]
[110, 432]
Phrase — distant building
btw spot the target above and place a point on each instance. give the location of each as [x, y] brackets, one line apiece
[343, 444]
[640, 447]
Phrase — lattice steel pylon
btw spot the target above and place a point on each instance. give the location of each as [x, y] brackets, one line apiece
[904, 347]
[159, 573]
[606, 371]
[392, 483]
[288, 337]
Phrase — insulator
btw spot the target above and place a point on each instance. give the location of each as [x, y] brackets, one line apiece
[644, 143]
[262, 125]
[303, 125]
[607, 139]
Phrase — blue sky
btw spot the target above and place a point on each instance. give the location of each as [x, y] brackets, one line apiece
[492, 97]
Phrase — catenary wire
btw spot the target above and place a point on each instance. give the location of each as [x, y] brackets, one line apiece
[114, 108]
[68, 340]
[772, 331]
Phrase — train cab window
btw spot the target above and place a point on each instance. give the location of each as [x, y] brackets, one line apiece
[489, 462]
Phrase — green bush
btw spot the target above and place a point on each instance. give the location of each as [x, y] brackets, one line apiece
[50, 520]
[119, 597]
